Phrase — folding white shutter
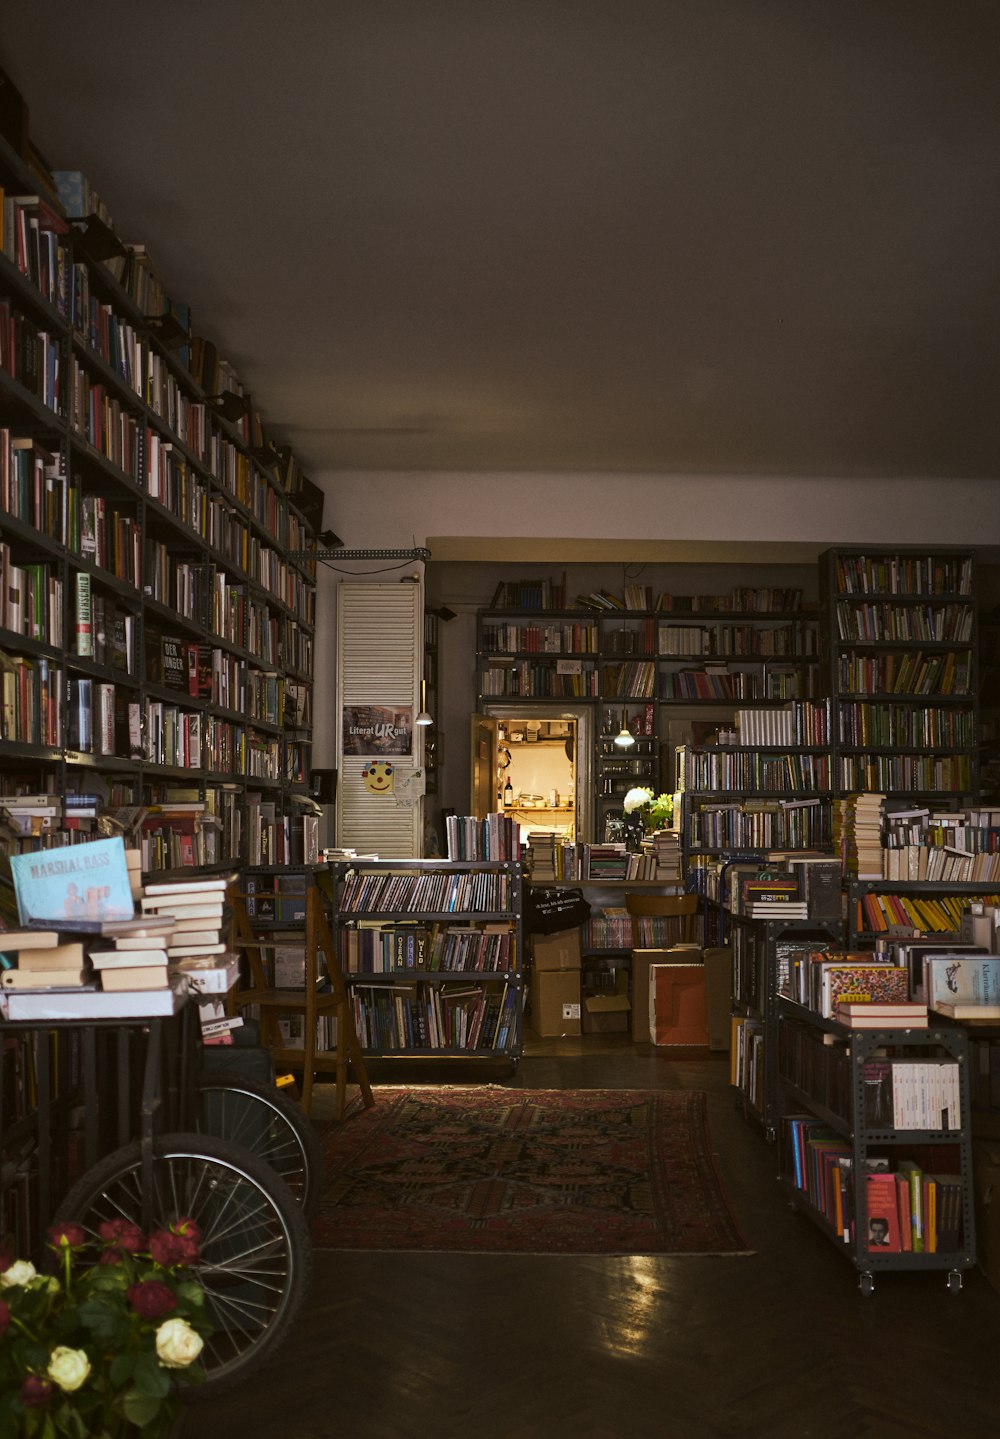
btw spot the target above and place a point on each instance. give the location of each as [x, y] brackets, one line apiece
[379, 658]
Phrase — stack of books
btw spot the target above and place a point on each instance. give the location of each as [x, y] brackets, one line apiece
[193, 910]
[40, 959]
[135, 957]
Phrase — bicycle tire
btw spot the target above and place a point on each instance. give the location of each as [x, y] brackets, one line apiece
[262, 1119]
[255, 1254]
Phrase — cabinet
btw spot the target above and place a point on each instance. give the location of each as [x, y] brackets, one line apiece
[887, 1180]
[431, 955]
[899, 636]
[156, 573]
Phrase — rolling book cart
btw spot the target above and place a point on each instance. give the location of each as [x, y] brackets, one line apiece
[829, 1072]
[146, 1154]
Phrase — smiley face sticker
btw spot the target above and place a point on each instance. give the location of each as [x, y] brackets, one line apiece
[378, 777]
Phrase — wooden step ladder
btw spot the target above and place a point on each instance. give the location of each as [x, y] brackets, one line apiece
[310, 1002]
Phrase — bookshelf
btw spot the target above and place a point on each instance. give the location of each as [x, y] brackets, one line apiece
[431, 952]
[900, 657]
[646, 665]
[841, 1119]
[877, 908]
[762, 950]
[158, 615]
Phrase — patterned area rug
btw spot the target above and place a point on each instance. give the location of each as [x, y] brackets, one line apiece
[482, 1168]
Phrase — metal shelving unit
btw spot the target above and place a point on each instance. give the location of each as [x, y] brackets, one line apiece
[845, 1115]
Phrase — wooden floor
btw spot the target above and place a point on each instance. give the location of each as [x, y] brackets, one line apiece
[779, 1343]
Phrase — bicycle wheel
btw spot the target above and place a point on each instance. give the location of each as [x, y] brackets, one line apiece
[269, 1124]
[256, 1257]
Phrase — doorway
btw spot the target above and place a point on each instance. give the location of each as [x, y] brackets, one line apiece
[535, 766]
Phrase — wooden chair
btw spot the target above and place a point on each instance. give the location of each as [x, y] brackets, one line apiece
[679, 913]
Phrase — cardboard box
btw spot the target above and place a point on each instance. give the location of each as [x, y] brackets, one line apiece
[607, 1012]
[555, 1002]
[986, 1189]
[556, 951]
[718, 995]
[642, 959]
[677, 1013]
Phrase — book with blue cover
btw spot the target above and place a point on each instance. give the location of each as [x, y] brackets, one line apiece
[78, 882]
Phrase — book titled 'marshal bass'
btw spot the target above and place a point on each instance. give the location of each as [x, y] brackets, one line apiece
[77, 882]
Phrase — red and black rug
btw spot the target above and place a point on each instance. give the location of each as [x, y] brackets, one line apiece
[486, 1169]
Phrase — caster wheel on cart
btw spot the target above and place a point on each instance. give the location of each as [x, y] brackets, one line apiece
[866, 1284]
[954, 1281]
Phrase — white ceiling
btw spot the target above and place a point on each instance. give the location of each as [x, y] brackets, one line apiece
[701, 236]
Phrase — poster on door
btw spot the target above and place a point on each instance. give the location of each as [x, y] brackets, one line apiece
[378, 729]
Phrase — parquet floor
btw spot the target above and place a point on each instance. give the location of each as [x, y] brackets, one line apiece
[778, 1344]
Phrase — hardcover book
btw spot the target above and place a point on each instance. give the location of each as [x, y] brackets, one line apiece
[80, 882]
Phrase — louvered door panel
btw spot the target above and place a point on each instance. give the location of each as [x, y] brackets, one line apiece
[379, 641]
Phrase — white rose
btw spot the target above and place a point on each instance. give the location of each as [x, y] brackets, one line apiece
[69, 1368]
[177, 1344]
[21, 1272]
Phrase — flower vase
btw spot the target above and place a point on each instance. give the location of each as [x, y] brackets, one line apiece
[634, 830]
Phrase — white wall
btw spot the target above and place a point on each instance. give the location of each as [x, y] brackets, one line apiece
[393, 509]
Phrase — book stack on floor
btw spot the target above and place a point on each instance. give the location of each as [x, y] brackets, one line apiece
[194, 910]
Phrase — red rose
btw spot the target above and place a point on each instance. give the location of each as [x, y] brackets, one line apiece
[4, 1317]
[168, 1249]
[66, 1236]
[151, 1299]
[187, 1227]
[122, 1234]
[35, 1393]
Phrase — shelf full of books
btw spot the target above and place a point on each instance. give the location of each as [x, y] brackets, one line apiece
[157, 594]
[875, 1140]
[900, 642]
[432, 955]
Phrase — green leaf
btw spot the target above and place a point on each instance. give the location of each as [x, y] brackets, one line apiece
[150, 1376]
[141, 1409]
[121, 1369]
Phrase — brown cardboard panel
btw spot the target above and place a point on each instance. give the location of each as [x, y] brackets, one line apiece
[641, 961]
[555, 1002]
[607, 1012]
[677, 1012]
[556, 951]
[718, 995]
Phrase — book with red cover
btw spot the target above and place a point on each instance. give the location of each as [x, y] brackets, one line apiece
[883, 1231]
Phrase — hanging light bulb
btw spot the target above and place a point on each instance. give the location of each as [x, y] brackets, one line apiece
[423, 718]
[624, 738]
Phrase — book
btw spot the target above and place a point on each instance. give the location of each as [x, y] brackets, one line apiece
[41, 978]
[179, 951]
[160, 904]
[104, 959]
[954, 978]
[187, 886]
[89, 1002]
[883, 1234]
[12, 940]
[132, 977]
[967, 1011]
[83, 635]
[60, 956]
[80, 881]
